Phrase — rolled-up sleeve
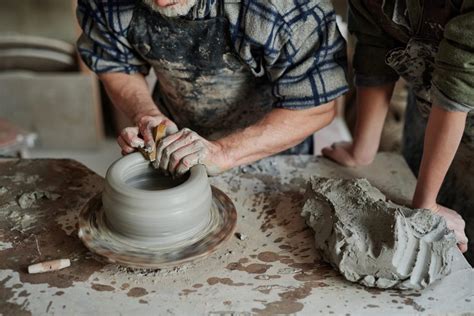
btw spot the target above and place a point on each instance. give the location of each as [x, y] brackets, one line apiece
[372, 46]
[453, 78]
[103, 44]
[311, 66]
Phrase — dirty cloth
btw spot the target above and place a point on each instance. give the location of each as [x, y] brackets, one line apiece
[221, 69]
[431, 45]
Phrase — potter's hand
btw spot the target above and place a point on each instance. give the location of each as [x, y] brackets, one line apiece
[141, 136]
[179, 152]
[343, 153]
[454, 222]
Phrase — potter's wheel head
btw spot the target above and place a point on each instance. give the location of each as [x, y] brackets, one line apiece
[116, 248]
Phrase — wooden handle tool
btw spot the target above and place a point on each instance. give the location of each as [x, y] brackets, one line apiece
[158, 133]
[47, 266]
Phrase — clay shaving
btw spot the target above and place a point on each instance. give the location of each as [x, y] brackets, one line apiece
[374, 241]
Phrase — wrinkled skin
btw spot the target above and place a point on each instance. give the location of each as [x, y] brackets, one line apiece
[141, 136]
[179, 152]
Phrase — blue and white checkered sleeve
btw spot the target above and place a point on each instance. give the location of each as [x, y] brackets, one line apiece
[103, 45]
[310, 68]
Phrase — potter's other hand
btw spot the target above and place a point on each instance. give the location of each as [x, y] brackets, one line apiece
[343, 154]
[129, 140]
[179, 152]
[147, 123]
[454, 222]
[141, 136]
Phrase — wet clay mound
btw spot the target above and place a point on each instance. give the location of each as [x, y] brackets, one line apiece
[374, 241]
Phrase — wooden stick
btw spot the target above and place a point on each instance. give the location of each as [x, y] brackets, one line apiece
[47, 266]
[158, 133]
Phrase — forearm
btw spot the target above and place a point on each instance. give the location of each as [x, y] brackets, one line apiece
[130, 94]
[372, 106]
[278, 130]
[442, 137]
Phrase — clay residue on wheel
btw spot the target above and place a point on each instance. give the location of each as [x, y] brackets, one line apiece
[374, 241]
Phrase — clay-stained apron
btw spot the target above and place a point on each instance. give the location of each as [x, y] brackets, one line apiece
[201, 82]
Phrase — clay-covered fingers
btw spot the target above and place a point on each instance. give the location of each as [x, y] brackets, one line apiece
[186, 157]
[125, 149]
[461, 239]
[456, 223]
[128, 140]
[187, 162]
[164, 143]
[146, 124]
[463, 246]
[172, 143]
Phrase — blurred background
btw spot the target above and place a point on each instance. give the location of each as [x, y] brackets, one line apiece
[52, 106]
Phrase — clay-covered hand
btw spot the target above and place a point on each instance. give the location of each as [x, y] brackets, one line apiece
[141, 135]
[179, 152]
[343, 153]
[454, 222]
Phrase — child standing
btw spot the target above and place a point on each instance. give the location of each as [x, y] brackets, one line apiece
[431, 45]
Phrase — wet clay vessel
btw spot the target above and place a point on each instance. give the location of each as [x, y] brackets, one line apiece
[143, 204]
[147, 219]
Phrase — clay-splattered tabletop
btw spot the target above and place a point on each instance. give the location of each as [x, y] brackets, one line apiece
[269, 267]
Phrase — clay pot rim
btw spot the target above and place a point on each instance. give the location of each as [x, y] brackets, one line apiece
[117, 172]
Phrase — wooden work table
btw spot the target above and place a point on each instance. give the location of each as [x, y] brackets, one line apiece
[269, 267]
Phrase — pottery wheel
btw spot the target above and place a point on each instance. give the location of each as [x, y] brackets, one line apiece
[116, 248]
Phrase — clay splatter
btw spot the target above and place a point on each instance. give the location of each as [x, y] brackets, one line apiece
[137, 292]
[226, 281]
[102, 287]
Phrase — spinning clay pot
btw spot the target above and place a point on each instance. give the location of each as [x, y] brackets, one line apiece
[145, 205]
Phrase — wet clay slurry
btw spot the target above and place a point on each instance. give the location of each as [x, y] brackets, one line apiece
[285, 274]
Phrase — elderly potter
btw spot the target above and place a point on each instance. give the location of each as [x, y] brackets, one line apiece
[237, 80]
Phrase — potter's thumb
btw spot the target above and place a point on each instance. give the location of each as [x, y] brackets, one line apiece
[171, 128]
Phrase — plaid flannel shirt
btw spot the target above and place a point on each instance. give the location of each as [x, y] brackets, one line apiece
[296, 43]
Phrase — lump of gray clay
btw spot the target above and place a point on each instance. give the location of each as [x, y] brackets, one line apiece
[374, 241]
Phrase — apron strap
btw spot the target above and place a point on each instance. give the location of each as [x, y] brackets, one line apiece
[220, 8]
